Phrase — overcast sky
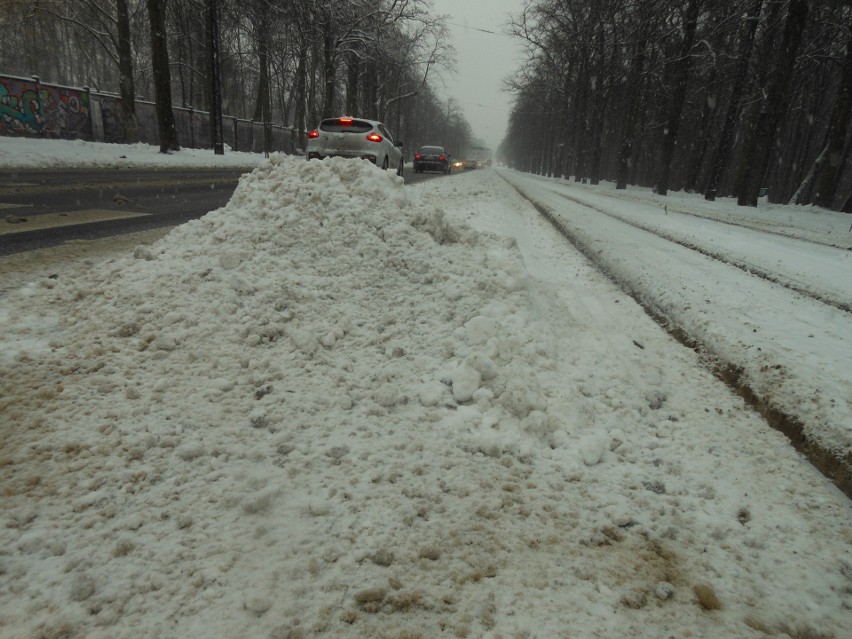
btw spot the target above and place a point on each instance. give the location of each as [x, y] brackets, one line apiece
[483, 60]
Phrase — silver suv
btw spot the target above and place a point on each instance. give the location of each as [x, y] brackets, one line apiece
[355, 138]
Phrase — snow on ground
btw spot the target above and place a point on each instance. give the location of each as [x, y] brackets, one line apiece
[344, 407]
[795, 351]
[29, 153]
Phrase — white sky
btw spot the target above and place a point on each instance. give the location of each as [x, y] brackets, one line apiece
[483, 60]
[345, 407]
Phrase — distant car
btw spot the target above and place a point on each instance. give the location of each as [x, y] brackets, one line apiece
[431, 158]
[469, 164]
[355, 138]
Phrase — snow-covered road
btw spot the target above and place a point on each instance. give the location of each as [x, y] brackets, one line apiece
[345, 407]
[815, 265]
[793, 351]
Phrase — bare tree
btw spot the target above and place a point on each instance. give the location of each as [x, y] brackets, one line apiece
[755, 158]
[126, 81]
[720, 159]
[680, 76]
[214, 79]
[635, 80]
[829, 172]
[162, 77]
[680, 95]
[283, 61]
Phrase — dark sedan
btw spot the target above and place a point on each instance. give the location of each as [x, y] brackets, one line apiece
[431, 158]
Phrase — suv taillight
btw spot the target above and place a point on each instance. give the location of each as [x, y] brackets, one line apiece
[375, 137]
[313, 134]
[417, 156]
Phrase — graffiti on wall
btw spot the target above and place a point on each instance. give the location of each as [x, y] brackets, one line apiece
[31, 109]
[40, 110]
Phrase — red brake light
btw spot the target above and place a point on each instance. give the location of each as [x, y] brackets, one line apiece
[375, 137]
[346, 121]
[313, 134]
[442, 158]
[416, 156]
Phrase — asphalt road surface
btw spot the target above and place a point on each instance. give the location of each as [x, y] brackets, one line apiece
[43, 208]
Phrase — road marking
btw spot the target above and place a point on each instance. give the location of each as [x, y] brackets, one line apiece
[11, 205]
[52, 220]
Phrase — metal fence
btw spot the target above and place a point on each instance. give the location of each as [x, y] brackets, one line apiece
[31, 108]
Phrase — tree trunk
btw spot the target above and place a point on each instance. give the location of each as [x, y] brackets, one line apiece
[313, 110]
[183, 62]
[566, 104]
[352, 77]
[707, 113]
[581, 122]
[626, 152]
[369, 92]
[125, 71]
[801, 194]
[261, 105]
[756, 157]
[720, 159]
[596, 138]
[798, 144]
[301, 97]
[328, 76]
[214, 89]
[680, 77]
[828, 175]
[162, 77]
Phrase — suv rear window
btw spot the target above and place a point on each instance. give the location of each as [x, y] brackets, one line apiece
[432, 150]
[345, 125]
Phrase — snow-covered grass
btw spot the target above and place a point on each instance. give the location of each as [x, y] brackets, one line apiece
[345, 407]
[29, 153]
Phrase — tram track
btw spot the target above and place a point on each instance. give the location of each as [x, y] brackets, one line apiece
[751, 269]
[834, 465]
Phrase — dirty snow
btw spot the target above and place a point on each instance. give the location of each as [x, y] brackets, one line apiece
[344, 407]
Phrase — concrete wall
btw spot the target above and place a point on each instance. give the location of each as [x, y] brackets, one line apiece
[31, 108]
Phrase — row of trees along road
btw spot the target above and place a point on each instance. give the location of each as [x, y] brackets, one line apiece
[289, 62]
[720, 97]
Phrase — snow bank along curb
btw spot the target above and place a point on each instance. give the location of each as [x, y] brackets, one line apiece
[31, 153]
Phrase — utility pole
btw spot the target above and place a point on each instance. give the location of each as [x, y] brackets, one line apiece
[216, 130]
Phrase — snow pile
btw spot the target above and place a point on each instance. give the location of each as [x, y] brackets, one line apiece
[294, 322]
[299, 269]
[333, 409]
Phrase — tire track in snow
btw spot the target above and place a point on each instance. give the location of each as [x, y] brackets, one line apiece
[751, 269]
[835, 467]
